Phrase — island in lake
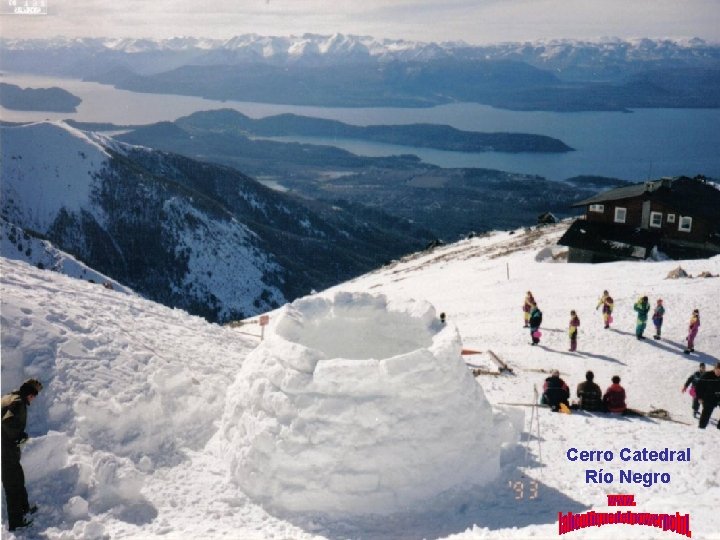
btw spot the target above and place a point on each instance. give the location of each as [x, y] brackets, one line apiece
[439, 137]
[37, 99]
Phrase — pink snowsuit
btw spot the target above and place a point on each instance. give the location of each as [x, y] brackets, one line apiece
[693, 330]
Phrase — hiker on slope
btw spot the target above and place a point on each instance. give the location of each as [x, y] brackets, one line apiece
[573, 330]
[14, 418]
[693, 328]
[607, 304]
[535, 321]
[642, 307]
[691, 383]
[657, 318]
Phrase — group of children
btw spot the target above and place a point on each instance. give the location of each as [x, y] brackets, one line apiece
[533, 319]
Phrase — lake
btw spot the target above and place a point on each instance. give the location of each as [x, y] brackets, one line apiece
[645, 143]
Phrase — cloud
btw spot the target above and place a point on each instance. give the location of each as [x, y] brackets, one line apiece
[474, 21]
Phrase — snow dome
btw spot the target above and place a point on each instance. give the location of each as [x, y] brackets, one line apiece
[358, 404]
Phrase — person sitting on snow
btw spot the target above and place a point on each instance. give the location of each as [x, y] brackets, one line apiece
[614, 398]
[590, 394]
[555, 391]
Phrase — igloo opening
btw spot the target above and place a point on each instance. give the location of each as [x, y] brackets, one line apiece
[357, 404]
[355, 327]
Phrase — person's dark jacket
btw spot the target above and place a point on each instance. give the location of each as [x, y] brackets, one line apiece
[590, 396]
[693, 379]
[535, 318]
[708, 387]
[555, 391]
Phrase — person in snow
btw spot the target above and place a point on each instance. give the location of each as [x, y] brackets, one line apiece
[590, 394]
[573, 330]
[614, 398]
[693, 328]
[691, 383]
[555, 391]
[527, 307]
[642, 307]
[607, 304]
[657, 317]
[14, 418]
[535, 321]
[708, 390]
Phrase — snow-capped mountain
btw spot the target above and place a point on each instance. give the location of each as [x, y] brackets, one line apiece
[127, 438]
[342, 48]
[197, 236]
[360, 71]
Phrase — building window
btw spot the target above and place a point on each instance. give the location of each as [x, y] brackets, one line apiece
[656, 219]
[597, 208]
[620, 215]
[671, 218]
[685, 224]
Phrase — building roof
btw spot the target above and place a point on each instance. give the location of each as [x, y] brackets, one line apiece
[625, 192]
[688, 196]
[608, 237]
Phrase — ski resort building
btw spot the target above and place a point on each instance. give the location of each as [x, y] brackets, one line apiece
[677, 216]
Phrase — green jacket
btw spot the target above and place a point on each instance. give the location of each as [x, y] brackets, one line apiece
[642, 310]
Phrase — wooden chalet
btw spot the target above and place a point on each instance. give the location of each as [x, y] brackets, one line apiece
[677, 216]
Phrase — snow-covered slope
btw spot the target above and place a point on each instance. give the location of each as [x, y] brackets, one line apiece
[42, 175]
[89, 197]
[185, 233]
[134, 392]
[17, 244]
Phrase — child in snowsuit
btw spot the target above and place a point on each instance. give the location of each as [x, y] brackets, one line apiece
[535, 321]
[573, 330]
[642, 307]
[691, 383]
[607, 304]
[527, 307]
[693, 328]
[614, 398]
[657, 318]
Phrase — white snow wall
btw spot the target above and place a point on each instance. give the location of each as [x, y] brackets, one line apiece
[355, 405]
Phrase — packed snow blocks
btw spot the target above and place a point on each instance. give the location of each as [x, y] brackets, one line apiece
[358, 404]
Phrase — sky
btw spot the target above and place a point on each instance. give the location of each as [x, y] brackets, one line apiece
[473, 21]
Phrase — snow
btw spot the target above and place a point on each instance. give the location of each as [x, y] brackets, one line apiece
[337, 411]
[139, 399]
[38, 177]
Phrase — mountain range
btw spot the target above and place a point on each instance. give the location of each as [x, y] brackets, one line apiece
[346, 70]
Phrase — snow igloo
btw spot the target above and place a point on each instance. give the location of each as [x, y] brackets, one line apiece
[358, 404]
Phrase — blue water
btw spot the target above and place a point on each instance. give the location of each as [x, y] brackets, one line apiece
[646, 143]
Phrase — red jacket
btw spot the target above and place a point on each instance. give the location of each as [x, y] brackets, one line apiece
[614, 398]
